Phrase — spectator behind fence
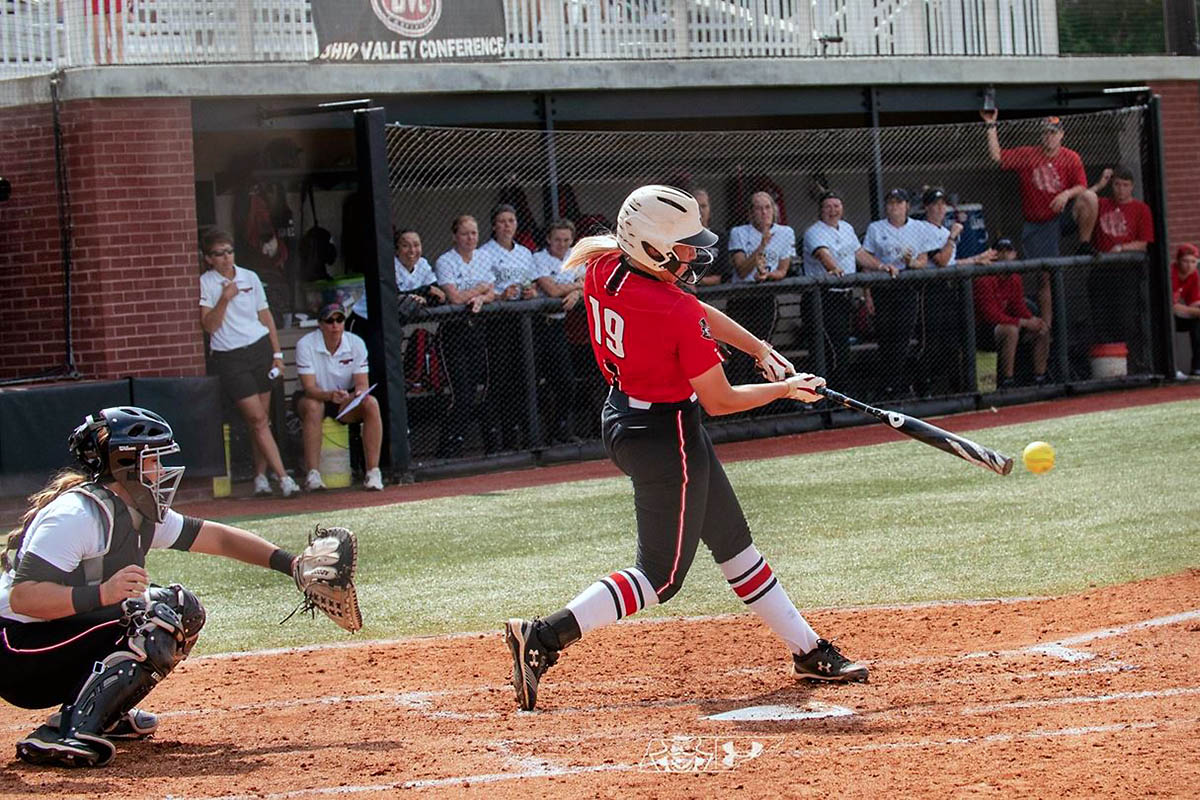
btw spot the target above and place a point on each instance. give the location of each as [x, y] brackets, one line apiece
[514, 272]
[555, 370]
[1003, 319]
[1185, 296]
[897, 243]
[416, 284]
[720, 271]
[763, 249]
[760, 252]
[1055, 198]
[944, 359]
[245, 350]
[333, 370]
[466, 280]
[830, 247]
[1125, 225]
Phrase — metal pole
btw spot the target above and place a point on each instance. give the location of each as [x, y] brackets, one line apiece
[1161, 313]
[1062, 358]
[385, 336]
[551, 159]
[877, 189]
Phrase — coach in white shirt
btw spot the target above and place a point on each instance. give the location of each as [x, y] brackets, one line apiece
[332, 365]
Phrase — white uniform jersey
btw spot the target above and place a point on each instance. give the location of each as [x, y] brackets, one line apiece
[70, 529]
[508, 267]
[746, 238]
[841, 242]
[890, 243]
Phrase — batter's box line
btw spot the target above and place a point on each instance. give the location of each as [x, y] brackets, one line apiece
[999, 738]
[1063, 648]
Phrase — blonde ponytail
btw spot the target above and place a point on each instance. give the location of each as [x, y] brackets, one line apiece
[62, 482]
[588, 248]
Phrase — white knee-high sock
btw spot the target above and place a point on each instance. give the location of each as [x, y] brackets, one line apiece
[752, 580]
[622, 593]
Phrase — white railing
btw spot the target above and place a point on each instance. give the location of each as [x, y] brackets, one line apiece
[39, 36]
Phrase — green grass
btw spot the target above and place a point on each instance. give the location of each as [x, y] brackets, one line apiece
[892, 523]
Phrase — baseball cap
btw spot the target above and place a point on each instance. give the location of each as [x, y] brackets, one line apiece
[1052, 123]
[896, 194]
[932, 195]
[329, 309]
[1003, 243]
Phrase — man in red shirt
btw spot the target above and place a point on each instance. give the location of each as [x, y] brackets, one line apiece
[1054, 192]
[1185, 297]
[1002, 319]
[1125, 223]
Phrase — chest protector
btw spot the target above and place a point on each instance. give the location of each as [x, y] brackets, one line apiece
[123, 543]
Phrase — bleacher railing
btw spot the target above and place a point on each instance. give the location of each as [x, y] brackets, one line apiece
[39, 36]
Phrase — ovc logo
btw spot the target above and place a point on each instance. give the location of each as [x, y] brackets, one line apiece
[412, 18]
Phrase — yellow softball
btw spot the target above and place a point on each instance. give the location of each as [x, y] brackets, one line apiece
[1038, 457]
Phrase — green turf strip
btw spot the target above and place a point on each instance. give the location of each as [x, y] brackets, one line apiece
[892, 523]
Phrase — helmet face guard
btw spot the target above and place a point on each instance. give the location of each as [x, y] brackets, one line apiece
[149, 482]
[130, 452]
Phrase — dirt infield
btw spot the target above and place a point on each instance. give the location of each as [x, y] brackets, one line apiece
[1096, 694]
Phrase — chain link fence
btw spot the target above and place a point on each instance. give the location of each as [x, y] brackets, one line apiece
[909, 263]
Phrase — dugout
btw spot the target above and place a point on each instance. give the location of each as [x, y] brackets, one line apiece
[241, 133]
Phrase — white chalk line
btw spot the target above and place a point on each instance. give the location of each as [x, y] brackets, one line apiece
[1183, 691]
[1037, 733]
[1061, 648]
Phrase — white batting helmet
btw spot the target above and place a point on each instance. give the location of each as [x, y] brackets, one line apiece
[653, 220]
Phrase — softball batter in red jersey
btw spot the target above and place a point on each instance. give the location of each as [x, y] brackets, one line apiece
[657, 347]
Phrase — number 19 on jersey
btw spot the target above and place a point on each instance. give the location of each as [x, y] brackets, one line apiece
[608, 328]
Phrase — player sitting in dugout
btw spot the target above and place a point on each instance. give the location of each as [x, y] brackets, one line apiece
[81, 625]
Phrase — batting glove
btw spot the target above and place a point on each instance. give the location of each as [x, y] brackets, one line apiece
[773, 366]
[803, 387]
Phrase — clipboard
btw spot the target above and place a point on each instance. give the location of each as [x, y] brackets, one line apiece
[353, 404]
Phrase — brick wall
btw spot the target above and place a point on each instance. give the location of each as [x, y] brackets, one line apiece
[135, 273]
[1181, 143]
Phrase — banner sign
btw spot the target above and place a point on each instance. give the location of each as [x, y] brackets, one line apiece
[409, 30]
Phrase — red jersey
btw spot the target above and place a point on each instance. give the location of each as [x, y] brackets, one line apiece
[1185, 290]
[649, 337]
[1121, 224]
[1042, 177]
[1000, 300]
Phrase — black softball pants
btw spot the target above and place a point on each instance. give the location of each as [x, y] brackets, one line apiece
[44, 664]
[680, 491]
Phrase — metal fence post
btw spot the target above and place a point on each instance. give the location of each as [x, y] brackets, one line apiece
[1161, 313]
[386, 335]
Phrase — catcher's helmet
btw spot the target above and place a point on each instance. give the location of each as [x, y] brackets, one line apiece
[659, 228]
[126, 444]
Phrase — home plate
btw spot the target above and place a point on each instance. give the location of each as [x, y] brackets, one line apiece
[810, 710]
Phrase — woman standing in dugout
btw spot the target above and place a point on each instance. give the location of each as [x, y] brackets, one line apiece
[657, 347]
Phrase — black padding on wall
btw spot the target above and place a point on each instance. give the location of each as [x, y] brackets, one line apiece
[35, 423]
[193, 408]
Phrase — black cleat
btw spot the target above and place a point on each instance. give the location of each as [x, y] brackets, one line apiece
[133, 724]
[530, 660]
[46, 746]
[826, 663]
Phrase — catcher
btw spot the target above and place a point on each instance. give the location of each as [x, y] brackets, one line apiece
[82, 627]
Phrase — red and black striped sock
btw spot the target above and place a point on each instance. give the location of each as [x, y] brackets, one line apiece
[752, 580]
[611, 598]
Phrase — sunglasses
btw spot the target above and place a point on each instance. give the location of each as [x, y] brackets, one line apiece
[225, 251]
[335, 320]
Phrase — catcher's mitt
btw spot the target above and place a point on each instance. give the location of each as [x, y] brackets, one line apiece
[324, 572]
